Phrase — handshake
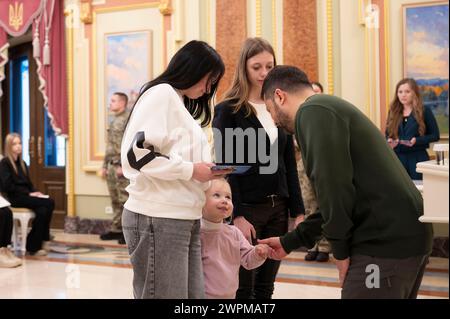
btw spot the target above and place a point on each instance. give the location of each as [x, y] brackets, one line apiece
[270, 248]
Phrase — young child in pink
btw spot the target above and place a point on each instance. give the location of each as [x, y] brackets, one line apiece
[224, 247]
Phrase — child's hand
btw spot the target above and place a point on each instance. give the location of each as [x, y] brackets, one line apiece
[262, 250]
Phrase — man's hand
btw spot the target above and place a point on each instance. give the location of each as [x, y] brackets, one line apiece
[342, 266]
[262, 250]
[245, 227]
[36, 194]
[300, 218]
[392, 143]
[119, 172]
[203, 173]
[277, 251]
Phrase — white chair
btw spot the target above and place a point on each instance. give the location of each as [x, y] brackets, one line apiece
[23, 215]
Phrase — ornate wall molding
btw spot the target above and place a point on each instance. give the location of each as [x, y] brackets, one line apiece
[330, 73]
[165, 7]
[86, 11]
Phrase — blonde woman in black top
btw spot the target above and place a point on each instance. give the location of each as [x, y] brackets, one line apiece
[19, 190]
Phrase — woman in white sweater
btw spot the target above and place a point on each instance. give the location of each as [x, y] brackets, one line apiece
[166, 157]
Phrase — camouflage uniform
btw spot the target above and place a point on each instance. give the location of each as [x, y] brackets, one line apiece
[310, 201]
[116, 185]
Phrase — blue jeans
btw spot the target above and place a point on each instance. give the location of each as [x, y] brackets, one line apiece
[166, 256]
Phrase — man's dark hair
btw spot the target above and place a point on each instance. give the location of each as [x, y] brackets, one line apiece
[286, 78]
[123, 96]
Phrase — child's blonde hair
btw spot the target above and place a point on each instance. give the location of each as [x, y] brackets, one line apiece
[222, 179]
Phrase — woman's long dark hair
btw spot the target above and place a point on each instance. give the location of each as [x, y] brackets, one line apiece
[188, 66]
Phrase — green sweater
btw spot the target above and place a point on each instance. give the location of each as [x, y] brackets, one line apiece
[368, 204]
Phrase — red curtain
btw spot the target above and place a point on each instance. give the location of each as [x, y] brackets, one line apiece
[16, 17]
[3, 57]
[52, 73]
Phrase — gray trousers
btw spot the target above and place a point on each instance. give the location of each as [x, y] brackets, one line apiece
[165, 255]
[383, 278]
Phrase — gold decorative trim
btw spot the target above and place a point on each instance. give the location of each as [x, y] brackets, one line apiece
[70, 100]
[367, 69]
[372, 67]
[86, 12]
[208, 21]
[94, 143]
[274, 26]
[330, 66]
[387, 55]
[127, 7]
[16, 15]
[165, 7]
[362, 7]
[258, 9]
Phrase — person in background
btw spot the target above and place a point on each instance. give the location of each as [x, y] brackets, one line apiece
[112, 167]
[368, 207]
[224, 247]
[410, 127]
[20, 192]
[7, 258]
[263, 201]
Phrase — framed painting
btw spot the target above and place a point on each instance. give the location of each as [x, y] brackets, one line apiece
[425, 55]
[124, 56]
[128, 64]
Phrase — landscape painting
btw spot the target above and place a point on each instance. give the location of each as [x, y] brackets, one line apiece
[128, 63]
[425, 36]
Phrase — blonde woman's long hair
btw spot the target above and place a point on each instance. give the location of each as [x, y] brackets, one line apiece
[395, 115]
[9, 153]
[239, 91]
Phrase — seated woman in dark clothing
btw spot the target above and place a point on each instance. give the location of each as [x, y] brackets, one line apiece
[7, 258]
[17, 186]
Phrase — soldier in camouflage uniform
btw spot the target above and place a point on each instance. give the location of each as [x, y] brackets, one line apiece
[320, 251]
[112, 168]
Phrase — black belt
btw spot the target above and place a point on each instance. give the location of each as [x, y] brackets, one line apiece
[270, 199]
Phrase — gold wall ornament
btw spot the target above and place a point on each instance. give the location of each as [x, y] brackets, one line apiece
[86, 11]
[330, 43]
[165, 7]
[16, 15]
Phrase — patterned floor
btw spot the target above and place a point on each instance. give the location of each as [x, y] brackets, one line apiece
[320, 278]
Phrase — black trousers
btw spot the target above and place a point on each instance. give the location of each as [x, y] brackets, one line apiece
[6, 226]
[269, 219]
[40, 229]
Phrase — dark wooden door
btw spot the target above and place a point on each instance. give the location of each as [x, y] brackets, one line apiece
[23, 112]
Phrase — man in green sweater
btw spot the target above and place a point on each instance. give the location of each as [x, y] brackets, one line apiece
[368, 206]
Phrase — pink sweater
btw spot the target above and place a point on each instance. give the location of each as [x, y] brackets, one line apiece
[224, 249]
